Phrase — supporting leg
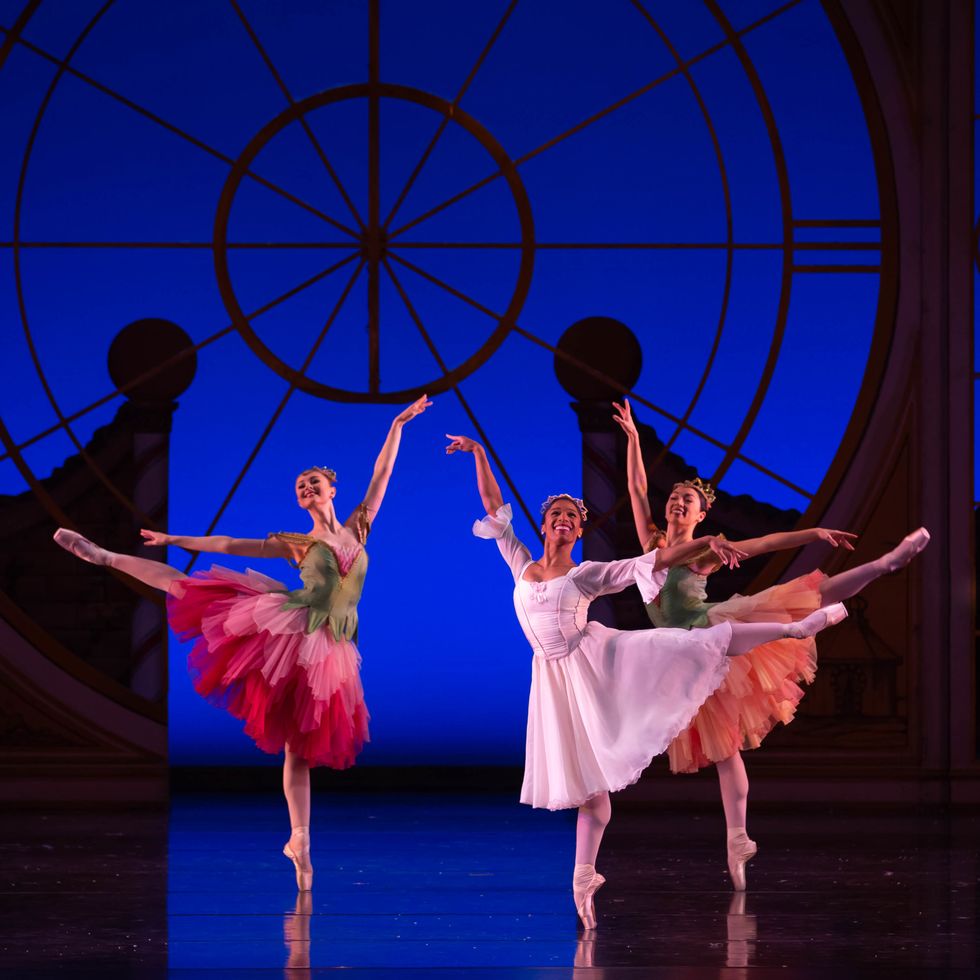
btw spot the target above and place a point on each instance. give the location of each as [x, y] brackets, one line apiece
[593, 818]
[851, 582]
[734, 782]
[296, 787]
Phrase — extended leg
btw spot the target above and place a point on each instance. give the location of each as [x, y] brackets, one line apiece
[153, 573]
[593, 817]
[734, 782]
[851, 582]
[748, 636]
[296, 787]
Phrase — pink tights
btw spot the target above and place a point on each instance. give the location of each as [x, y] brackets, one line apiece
[593, 816]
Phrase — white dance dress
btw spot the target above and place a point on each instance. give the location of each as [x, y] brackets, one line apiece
[603, 702]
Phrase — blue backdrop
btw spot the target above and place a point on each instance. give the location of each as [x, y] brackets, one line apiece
[742, 167]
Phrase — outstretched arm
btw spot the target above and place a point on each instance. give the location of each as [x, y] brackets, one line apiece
[794, 539]
[649, 571]
[385, 462]
[486, 483]
[727, 552]
[220, 543]
[636, 474]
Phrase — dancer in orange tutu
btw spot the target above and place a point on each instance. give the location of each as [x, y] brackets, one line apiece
[763, 687]
[284, 662]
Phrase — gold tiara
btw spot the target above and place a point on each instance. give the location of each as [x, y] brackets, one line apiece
[705, 489]
[582, 509]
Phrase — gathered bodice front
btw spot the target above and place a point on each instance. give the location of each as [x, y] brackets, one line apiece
[332, 584]
[554, 614]
[683, 600]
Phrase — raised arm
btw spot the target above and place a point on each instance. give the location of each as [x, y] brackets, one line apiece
[220, 543]
[636, 474]
[385, 462]
[784, 541]
[486, 483]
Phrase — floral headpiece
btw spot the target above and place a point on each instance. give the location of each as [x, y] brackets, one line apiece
[582, 509]
[705, 489]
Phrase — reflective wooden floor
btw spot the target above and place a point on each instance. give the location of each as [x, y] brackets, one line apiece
[447, 886]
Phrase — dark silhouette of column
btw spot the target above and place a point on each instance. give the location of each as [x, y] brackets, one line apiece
[135, 350]
[599, 358]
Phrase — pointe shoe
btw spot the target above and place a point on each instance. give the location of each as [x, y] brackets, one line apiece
[816, 621]
[586, 881]
[741, 850]
[911, 545]
[80, 546]
[300, 856]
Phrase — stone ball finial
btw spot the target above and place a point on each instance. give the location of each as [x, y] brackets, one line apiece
[602, 345]
[141, 347]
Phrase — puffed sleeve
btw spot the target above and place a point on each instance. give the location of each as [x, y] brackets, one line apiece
[595, 578]
[498, 527]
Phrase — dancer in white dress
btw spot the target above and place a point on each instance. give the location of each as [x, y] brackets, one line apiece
[604, 702]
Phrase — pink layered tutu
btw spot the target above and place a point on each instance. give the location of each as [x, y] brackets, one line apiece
[762, 687]
[256, 660]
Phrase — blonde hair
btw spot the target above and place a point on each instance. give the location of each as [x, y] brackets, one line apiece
[330, 474]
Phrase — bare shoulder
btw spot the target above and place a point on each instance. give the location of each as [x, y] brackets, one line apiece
[289, 544]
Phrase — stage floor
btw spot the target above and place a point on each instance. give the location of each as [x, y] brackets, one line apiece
[443, 885]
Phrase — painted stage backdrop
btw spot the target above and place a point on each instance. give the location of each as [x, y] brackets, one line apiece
[343, 205]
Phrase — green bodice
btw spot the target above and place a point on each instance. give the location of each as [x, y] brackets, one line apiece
[329, 596]
[682, 603]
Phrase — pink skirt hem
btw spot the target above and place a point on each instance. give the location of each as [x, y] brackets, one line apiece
[762, 688]
[255, 660]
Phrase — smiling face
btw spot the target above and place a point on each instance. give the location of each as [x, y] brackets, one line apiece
[562, 522]
[313, 487]
[685, 507]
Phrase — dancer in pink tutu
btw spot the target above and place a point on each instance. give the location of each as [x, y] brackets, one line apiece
[604, 702]
[283, 661]
[762, 688]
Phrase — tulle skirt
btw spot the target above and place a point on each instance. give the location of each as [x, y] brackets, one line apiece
[255, 659]
[762, 687]
[598, 715]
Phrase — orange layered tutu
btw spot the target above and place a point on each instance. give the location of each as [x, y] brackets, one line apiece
[762, 687]
[257, 661]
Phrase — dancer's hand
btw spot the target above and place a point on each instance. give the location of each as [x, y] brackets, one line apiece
[154, 539]
[416, 408]
[726, 552]
[836, 539]
[461, 444]
[624, 419]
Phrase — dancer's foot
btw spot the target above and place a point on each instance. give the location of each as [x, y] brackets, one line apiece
[741, 850]
[297, 849]
[586, 881]
[816, 621]
[81, 547]
[911, 545]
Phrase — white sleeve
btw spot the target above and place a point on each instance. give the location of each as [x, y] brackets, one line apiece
[498, 527]
[595, 578]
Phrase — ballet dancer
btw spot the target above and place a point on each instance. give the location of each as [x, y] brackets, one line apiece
[604, 702]
[762, 688]
[285, 662]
